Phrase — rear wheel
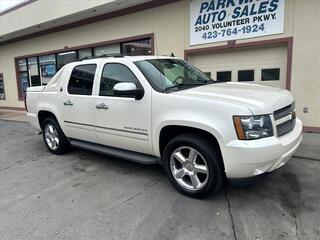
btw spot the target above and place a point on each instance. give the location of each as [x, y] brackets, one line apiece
[54, 138]
[193, 166]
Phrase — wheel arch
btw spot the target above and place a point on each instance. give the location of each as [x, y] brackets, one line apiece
[168, 132]
[43, 114]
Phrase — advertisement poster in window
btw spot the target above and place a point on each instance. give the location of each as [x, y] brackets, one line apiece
[2, 92]
[225, 20]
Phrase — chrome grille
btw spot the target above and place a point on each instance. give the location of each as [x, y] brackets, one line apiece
[287, 126]
[281, 113]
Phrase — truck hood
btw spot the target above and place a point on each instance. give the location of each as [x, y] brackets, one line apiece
[259, 99]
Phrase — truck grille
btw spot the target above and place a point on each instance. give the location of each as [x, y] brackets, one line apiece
[287, 126]
[283, 112]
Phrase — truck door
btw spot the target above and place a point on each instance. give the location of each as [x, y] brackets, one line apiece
[122, 122]
[77, 103]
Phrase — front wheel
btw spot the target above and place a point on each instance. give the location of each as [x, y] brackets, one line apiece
[54, 138]
[193, 166]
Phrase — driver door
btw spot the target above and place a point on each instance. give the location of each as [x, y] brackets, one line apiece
[122, 122]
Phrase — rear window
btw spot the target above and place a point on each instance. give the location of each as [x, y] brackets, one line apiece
[81, 79]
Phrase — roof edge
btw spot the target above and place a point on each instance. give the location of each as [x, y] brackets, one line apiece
[102, 17]
[20, 5]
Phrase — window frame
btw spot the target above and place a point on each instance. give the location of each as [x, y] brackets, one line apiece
[272, 80]
[95, 74]
[139, 86]
[244, 70]
[227, 71]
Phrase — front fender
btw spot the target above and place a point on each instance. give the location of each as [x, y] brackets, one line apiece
[181, 123]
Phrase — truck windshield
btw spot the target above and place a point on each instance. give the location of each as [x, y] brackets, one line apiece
[169, 75]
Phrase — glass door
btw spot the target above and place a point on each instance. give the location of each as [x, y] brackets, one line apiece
[33, 71]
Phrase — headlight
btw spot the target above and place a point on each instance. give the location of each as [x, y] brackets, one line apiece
[253, 127]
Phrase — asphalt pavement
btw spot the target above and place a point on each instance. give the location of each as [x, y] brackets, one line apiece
[83, 195]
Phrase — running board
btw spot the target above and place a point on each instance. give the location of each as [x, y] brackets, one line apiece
[115, 152]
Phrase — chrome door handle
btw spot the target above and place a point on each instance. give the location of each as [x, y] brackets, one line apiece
[102, 106]
[68, 103]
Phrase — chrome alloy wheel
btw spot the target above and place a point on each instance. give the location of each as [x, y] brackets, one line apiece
[189, 168]
[51, 137]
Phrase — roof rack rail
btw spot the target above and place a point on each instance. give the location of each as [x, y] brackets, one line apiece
[115, 55]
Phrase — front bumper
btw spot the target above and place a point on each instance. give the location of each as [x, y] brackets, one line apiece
[244, 159]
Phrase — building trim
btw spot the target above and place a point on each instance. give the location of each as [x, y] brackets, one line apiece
[311, 129]
[102, 17]
[233, 45]
[91, 45]
[23, 4]
[79, 47]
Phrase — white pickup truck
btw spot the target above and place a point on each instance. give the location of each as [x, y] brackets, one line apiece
[164, 110]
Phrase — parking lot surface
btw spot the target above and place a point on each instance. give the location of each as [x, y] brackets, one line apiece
[83, 195]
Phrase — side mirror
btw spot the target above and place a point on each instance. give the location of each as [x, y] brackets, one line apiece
[128, 89]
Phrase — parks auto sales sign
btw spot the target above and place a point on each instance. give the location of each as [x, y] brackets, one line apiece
[223, 20]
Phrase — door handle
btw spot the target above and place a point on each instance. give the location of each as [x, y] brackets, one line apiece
[68, 103]
[102, 106]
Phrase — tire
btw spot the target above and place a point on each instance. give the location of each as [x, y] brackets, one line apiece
[204, 165]
[53, 137]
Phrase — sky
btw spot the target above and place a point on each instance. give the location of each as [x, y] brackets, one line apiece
[5, 4]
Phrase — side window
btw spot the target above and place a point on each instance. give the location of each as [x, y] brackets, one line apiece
[112, 74]
[81, 80]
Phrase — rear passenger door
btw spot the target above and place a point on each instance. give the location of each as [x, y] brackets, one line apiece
[77, 103]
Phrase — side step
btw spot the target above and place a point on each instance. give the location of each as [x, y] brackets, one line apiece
[115, 152]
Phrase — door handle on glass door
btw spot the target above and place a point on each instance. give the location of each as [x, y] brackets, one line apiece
[102, 106]
[68, 103]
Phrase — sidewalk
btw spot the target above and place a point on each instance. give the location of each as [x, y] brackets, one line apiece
[309, 148]
[12, 115]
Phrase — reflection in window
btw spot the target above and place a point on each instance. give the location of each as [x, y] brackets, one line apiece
[112, 74]
[81, 80]
[208, 74]
[85, 53]
[140, 47]
[2, 92]
[33, 71]
[272, 74]
[47, 68]
[107, 50]
[224, 76]
[65, 58]
[23, 76]
[246, 75]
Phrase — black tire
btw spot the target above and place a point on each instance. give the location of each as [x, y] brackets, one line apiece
[214, 180]
[63, 145]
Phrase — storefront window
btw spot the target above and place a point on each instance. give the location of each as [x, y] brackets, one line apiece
[85, 53]
[140, 47]
[47, 68]
[105, 50]
[65, 58]
[2, 92]
[23, 75]
[38, 70]
[33, 71]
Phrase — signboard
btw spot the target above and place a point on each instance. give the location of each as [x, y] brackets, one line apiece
[2, 93]
[224, 20]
